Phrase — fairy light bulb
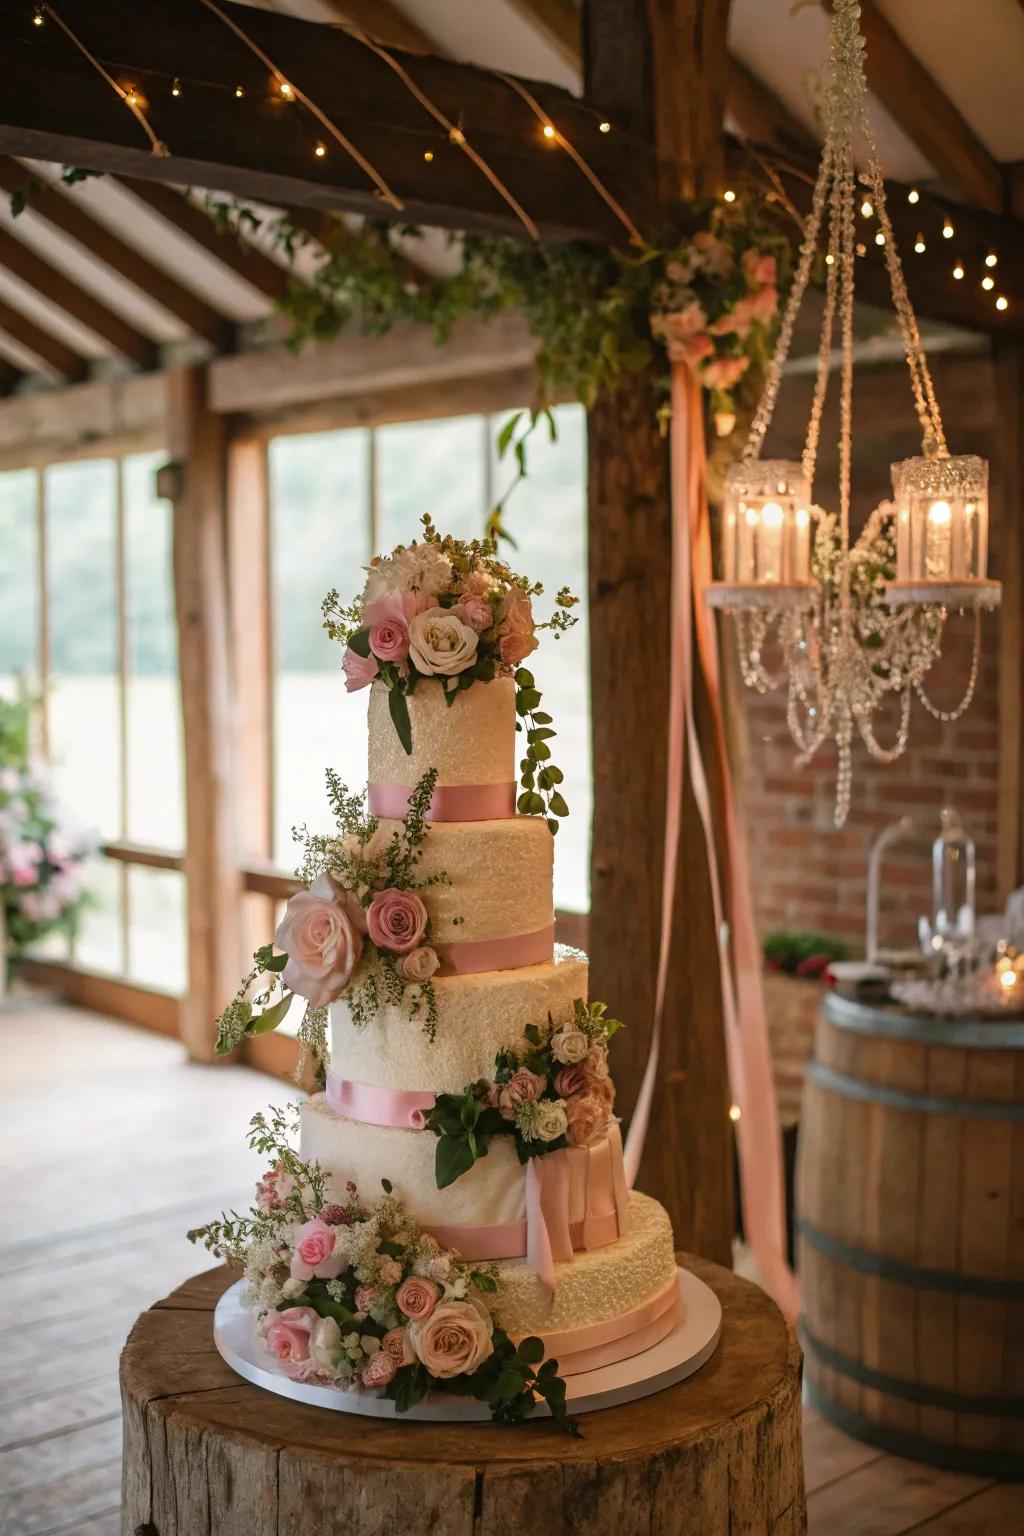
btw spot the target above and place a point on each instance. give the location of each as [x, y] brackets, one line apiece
[880, 238]
[734, 1113]
[991, 259]
[830, 260]
[176, 88]
[988, 283]
[948, 231]
[320, 150]
[729, 196]
[548, 132]
[1002, 302]
[38, 19]
[604, 127]
[913, 196]
[867, 208]
[286, 90]
[428, 155]
[239, 93]
[919, 244]
[131, 97]
[958, 271]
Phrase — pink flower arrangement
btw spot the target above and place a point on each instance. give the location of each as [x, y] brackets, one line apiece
[517, 636]
[273, 1189]
[360, 671]
[316, 1255]
[419, 965]
[396, 1343]
[396, 920]
[524, 1087]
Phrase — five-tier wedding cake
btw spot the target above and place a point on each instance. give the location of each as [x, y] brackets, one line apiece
[464, 1070]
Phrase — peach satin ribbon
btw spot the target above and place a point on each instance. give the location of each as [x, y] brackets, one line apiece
[449, 802]
[746, 1033]
[469, 956]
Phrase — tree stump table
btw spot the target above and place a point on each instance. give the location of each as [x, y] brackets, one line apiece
[207, 1454]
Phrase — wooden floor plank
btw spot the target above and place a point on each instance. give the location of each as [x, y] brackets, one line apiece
[996, 1511]
[42, 1461]
[49, 1507]
[829, 1454]
[886, 1497]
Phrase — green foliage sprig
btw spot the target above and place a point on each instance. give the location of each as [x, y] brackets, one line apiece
[539, 776]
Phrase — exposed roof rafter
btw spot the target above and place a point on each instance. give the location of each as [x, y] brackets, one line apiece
[53, 354]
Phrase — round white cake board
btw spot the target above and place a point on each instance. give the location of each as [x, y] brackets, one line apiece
[691, 1342]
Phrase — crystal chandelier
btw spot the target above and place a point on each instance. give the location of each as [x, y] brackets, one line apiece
[855, 624]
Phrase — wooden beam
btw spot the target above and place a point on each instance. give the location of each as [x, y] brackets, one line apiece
[384, 22]
[1008, 509]
[760, 116]
[57, 357]
[53, 107]
[688, 1157]
[30, 268]
[188, 219]
[63, 212]
[925, 113]
[125, 414]
[276, 378]
[197, 443]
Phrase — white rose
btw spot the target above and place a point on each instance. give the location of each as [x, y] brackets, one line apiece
[569, 1045]
[292, 1288]
[550, 1120]
[423, 568]
[325, 1342]
[440, 644]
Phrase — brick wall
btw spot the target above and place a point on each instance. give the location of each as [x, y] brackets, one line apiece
[808, 874]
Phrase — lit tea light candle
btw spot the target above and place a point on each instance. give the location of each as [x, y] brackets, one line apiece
[769, 565]
[1008, 977]
[801, 546]
[939, 539]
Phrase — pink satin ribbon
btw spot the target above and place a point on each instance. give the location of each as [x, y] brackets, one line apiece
[591, 1358]
[575, 1198]
[572, 1344]
[746, 1031]
[471, 955]
[449, 802]
[404, 1111]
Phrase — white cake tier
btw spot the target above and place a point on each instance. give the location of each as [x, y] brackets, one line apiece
[500, 873]
[471, 741]
[490, 1194]
[477, 1016]
[596, 1287]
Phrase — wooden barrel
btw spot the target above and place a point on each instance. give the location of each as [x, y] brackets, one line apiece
[910, 1190]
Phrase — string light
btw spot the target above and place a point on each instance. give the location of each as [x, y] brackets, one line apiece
[991, 259]
[867, 208]
[862, 249]
[913, 196]
[988, 283]
[548, 131]
[239, 93]
[729, 195]
[734, 1112]
[428, 155]
[880, 238]
[829, 259]
[958, 271]
[131, 97]
[919, 244]
[1002, 303]
[176, 88]
[948, 231]
[38, 19]
[320, 150]
[604, 127]
[286, 90]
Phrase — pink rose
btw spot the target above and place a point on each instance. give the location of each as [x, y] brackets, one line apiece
[396, 1344]
[454, 1339]
[389, 641]
[360, 671]
[321, 943]
[287, 1336]
[516, 637]
[724, 372]
[417, 1297]
[396, 920]
[395, 608]
[524, 1088]
[315, 1256]
[571, 1080]
[379, 1369]
[588, 1119]
[419, 966]
[758, 267]
[479, 583]
[474, 611]
[366, 1296]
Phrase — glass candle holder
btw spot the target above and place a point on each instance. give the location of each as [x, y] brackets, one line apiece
[766, 530]
[941, 519]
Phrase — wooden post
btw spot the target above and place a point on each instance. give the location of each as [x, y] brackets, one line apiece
[688, 1159]
[211, 866]
[1008, 505]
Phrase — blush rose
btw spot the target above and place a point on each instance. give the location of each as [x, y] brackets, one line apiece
[516, 637]
[321, 942]
[417, 1297]
[474, 611]
[379, 1369]
[587, 1119]
[524, 1087]
[396, 1344]
[288, 1337]
[418, 966]
[455, 1339]
[316, 1255]
[359, 671]
[396, 920]
[571, 1080]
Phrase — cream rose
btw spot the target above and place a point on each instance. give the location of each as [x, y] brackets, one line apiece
[396, 1344]
[440, 644]
[569, 1045]
[321, 942]
[419, 966]
[550, 1120]
[324, 1343]
[455, 1339]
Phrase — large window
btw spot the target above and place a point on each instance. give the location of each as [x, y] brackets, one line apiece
[87, 612]
[336, 498]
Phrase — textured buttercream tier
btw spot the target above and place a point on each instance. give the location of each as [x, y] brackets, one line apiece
[477, 1016]
[592, 1287]
[500, 873]
[471, 741]
[491, 1193]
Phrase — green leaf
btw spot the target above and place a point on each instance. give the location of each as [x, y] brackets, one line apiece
[541, 717]
[399, 709]
[276, 963]
[524, 678]
[557, 805]
[540, 734]
[408, 1388]
[485, 1282]
[506, 433]
[541, 751]
[454, 1157]
[524, 805]
[271, 1017]
[360, 642]
[387, 1186]
[531, 1351]
[17, 202]
[552, 826]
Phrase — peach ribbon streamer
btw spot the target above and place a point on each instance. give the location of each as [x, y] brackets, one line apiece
[746, 1032]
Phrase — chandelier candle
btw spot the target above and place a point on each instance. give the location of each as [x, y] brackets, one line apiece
[766, 530]
[941, 531]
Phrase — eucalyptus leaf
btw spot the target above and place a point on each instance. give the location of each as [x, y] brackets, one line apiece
[271, 1017]
[453, 1158]
[398, 708]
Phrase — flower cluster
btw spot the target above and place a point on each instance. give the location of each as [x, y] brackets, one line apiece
[356, 1296]
[439, 608]
[716, 306]
[553, 1092]
[40, 863]
[358, 928]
